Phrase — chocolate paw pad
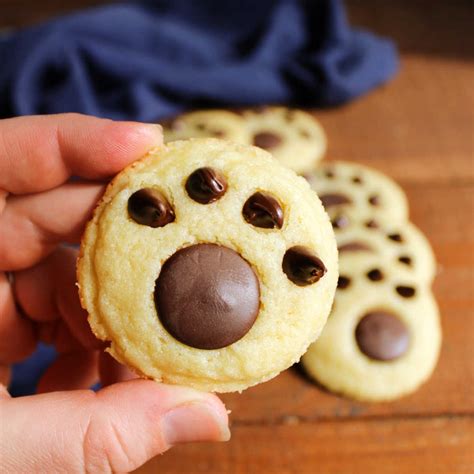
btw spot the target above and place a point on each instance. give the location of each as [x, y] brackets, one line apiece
[294, 137]
[349, 190]
[401, 244]
[383, 335]
[208, 264]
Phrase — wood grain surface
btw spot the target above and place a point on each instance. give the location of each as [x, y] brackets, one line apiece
[419, 129]
[390, 446]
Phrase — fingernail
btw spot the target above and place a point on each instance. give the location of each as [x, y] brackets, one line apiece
[152, 132]
[195, 421]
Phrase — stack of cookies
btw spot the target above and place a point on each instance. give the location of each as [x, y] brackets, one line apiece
[209, 264]
[383, 336]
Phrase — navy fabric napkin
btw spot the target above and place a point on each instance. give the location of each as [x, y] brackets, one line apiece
[146, 60]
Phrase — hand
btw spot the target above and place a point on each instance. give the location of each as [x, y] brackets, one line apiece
[73, 429]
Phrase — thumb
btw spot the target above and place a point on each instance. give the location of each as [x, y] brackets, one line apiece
[115, 430]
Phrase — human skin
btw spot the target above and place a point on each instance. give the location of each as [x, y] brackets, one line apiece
[66, 427]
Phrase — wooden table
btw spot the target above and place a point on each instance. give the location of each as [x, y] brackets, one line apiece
[418, 129]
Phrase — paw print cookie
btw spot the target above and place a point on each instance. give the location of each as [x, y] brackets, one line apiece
[295, 138]
[401, 244]
[208, 264]
[206, 123]
[383, 336]
[358, 191]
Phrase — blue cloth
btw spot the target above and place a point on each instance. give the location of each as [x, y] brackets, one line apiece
[146, 60]
[25, 375]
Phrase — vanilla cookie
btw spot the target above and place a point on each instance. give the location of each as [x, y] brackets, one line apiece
[206, 123]
[358, 191]
[208, 264]
[295, 138]
[399, 244]
[383, 336]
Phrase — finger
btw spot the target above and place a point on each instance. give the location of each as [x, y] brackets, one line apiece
[116, 430]
[31, 226]
[111, 371]
[48, 291]
[71, 371]
[17, 334]
[67, 298]
[5, 375]
[35, 292]
[40, 152]
[3, 199]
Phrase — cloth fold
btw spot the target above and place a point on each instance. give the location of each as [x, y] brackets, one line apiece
[145, 60]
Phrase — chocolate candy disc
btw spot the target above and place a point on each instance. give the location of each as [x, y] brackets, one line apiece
[263, 210]
[206, 185]
[149, 207]
[207, 296]
[302, 267]
[343, 282]
[382, 336]
[341, 221]
[266, 140]
[395, 237]
[374, 200]
[375, 275]
[405, 291]
[334, 199]
[354, 247]
[405, 259]
[371, 224]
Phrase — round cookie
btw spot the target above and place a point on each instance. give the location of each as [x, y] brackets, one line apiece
[206, 123]
[358, 191]
[208, 264]
[295, 138]
[401, 244]
[383, 336]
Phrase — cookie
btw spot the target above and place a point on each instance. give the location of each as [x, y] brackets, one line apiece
[358, 191]
[295, 138]
[383, 336]
[401, 244]
[206, 123]
[208, 264]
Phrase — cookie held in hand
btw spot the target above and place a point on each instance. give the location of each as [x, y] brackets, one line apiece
[208, 264]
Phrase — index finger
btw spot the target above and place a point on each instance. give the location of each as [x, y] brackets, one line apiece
[38, 153]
